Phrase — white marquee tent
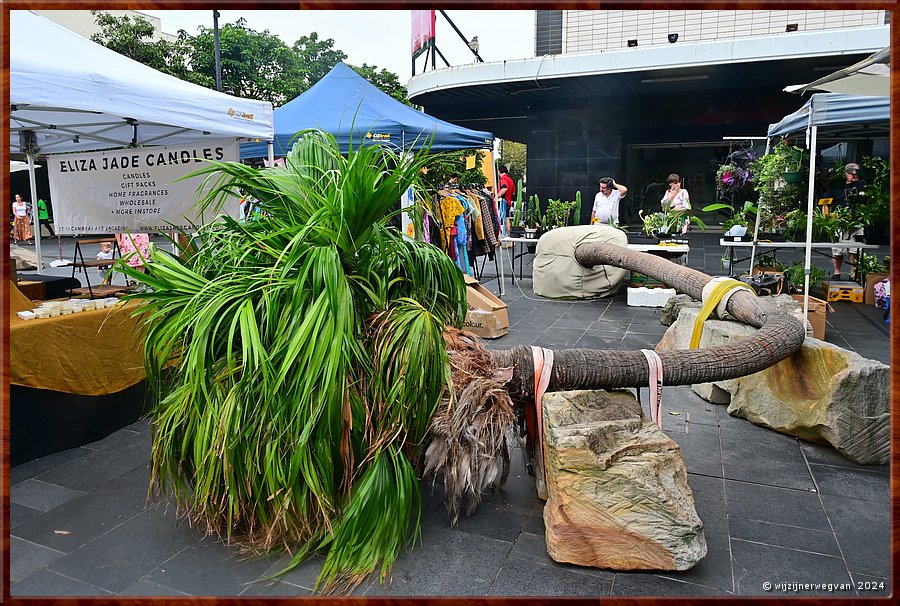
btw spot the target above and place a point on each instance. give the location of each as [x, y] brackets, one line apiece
[69, 94]
[848, 115]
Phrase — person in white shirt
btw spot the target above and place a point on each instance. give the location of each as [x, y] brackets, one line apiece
[606, 202]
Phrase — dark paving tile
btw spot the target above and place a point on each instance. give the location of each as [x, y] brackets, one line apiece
[755, 564]
[699, 446]
[869, 586]
[775, 505]
[632, 341]
[41, 495]
[448, 562]
[208, 567]
[528, 578]
[19, 514]
[99, 467]
[589, 341]
[570, 320]
[826, 454]
[277, 588]
[692, 409]
[863, 532]
[643, 584]
[499, 521]
[535, 522]
[743, 460]
[26, 558]
[853, 483]
[531, 546]
[48, 583]
[122, 438]
[520, 337]
[79, 521]
[35, 467]
[779, 535]
[713, 571]
[710, 504]
[147, 588]
[113, 562]
[303, 576]
[559, 337]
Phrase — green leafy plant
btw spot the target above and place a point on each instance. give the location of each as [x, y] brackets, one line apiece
[533, 215]
[776, 196]
[669, 222]
[307, 359]
[876, 208]
[795, 273]
[745, 215]
[869, 264]
[769, 261]
[558, 213]
[825, 228]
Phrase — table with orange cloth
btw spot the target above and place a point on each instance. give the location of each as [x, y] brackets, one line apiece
[74, 378]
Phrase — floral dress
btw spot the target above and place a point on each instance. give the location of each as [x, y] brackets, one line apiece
[22, 222]
[134, 243]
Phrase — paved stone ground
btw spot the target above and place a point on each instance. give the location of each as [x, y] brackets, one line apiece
[775, 509]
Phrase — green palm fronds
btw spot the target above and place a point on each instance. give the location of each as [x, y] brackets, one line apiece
[299, 359]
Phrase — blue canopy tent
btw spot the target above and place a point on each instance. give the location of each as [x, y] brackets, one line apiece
[346, 105]
[850, 116]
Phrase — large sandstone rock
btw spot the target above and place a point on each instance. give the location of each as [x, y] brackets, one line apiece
[823, 393]
[25, 258]
[617, 486]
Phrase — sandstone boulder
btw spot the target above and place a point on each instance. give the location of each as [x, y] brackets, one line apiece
[823, 393]
[673, 307]
[617, 487]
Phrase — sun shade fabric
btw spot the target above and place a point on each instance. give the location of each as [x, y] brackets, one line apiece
[558, 275]
[90, 353]
[346, 105]
[60, 79]
[830, 109]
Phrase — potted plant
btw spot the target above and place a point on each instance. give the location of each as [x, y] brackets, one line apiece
[795, 272]
[776, 182]
[871, 271]
[738, 221]
[558, 213]
[875, 209]
[533, 217]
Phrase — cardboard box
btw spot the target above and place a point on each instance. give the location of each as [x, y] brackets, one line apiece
[487, 316]
[817, 314]
[871, 281]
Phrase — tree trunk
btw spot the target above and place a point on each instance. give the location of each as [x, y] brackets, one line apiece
[779, 336]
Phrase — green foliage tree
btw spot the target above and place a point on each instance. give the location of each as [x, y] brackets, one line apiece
[255, 65]
[262, 433]
[514, 155]
[440, 167]
[133, 37]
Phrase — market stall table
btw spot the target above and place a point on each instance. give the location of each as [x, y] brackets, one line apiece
[775, 246]
[73, 378]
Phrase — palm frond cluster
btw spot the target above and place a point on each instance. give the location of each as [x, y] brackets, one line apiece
[307, 360]
[468, 442]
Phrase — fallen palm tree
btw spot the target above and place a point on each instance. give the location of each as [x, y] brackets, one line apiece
[304, 362]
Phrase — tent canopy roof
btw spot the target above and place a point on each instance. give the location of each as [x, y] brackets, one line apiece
[871, 76]
[346, 105]
[77, 95]
[838, 111]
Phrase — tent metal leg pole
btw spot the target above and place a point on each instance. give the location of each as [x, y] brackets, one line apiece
[811, 146]
[271, 147]
[35, 214]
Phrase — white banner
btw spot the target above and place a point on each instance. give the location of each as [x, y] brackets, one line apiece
[132, 190]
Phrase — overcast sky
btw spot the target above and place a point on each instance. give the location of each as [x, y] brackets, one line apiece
[379, 38]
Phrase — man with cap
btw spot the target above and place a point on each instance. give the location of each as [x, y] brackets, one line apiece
[850, 194]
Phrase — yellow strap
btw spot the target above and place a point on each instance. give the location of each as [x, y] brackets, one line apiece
[718, 291]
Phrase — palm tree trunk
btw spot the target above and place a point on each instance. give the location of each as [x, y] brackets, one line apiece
[779, 336]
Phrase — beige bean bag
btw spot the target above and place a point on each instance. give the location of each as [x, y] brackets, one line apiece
[558, 275]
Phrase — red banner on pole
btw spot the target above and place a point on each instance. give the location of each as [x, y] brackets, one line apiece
[422, 31]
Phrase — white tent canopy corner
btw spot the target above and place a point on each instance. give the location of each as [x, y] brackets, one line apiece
[871, 76]
[70, 94]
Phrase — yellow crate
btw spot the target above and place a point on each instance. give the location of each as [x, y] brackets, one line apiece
[843, 291]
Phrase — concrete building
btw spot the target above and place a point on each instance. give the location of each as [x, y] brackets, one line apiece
[637, 94]
[82, 21]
